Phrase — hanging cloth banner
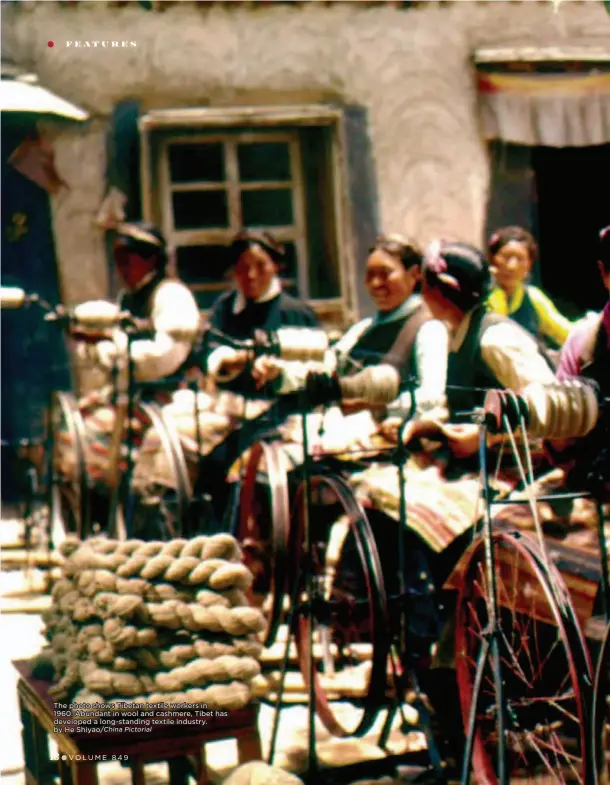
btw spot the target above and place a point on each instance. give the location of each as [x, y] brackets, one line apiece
[35, 159]
[552, 110]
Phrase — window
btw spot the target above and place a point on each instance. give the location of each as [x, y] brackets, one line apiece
[206, 174]
[216, 185]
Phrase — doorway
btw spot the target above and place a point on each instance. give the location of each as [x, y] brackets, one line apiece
[572, 187]
[562, 196]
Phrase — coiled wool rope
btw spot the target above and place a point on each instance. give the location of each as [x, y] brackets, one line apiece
[146, 619]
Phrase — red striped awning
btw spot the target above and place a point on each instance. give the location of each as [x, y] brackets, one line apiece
[540, 84]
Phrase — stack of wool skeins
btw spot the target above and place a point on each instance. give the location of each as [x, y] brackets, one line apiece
[154, 622]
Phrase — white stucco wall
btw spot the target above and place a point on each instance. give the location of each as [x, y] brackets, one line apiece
[410, 69]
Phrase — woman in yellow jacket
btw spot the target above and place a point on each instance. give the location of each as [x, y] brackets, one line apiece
[512, 252]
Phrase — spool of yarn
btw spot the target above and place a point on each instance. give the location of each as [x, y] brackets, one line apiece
[97, 314]
[562, 410]
[378, 384]
[302, 344]
[12, 297]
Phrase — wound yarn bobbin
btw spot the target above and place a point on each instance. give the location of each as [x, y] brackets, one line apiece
[302, 344]
[562, 410]
[378, 384]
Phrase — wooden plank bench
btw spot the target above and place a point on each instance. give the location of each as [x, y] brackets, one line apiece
[81, 752]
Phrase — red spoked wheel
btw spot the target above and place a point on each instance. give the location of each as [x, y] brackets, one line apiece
[601, 711]
[545, 670]
[263, 529]
[349, 619]
[68, 487]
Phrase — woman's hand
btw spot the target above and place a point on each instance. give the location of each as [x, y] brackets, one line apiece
[232, 364]
[266, 370]
[463, 439]
[355, 405]
[389, 429]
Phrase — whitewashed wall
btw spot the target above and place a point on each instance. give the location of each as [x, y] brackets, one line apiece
[412, 70]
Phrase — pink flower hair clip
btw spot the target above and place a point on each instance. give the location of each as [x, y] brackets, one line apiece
[433, 259]
[438, 265]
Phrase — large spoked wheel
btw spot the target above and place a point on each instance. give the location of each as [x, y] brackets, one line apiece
[349, 622]
[544, 666]
[160, 514]
[68, 488]
[262, 530]
[601, 711]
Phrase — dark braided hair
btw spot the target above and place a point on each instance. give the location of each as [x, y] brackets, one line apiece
[247, 238]
[402, 248]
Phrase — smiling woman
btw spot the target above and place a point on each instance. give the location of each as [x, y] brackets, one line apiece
[392, 271]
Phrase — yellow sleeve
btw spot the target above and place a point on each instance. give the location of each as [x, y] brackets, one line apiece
[553, 324]
[497, 301]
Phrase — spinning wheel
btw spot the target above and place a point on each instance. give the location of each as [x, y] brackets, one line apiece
[68, 487]
[160, 514]
[545, 666]
[263, 531]
[349, 621]
[523, 669]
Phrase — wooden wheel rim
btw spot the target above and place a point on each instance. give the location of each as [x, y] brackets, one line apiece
[280, 524]
[65, 404]
[483, 763]
[374, 698]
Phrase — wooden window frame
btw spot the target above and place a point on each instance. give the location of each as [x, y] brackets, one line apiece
[233, 186]
[258, 123]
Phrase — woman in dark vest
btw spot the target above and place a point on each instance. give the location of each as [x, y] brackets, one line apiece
[402, 332]
[485, 350]
[243, 401]
[512, 252]
[256, 303]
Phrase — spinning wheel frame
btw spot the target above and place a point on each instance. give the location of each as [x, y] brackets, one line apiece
[576, 655]
[279, 523]
[170, 444]
[601, 694]
[64, 403]
[359, 527]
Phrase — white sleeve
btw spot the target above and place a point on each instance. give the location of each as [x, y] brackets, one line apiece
[513, 357]
[431, 354]
[175, 319]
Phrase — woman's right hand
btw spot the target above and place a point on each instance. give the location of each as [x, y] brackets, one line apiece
[233, 364]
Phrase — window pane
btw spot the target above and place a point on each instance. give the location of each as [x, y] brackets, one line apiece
[267, 208]
[289, 267]
[197, 162]
[200, 209]
[266, 161]
[202, 263]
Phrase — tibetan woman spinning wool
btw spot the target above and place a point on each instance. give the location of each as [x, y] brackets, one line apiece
[240, 401]
[402, 334]
[161, 349]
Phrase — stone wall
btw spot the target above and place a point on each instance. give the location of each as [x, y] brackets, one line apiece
[411, 69]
